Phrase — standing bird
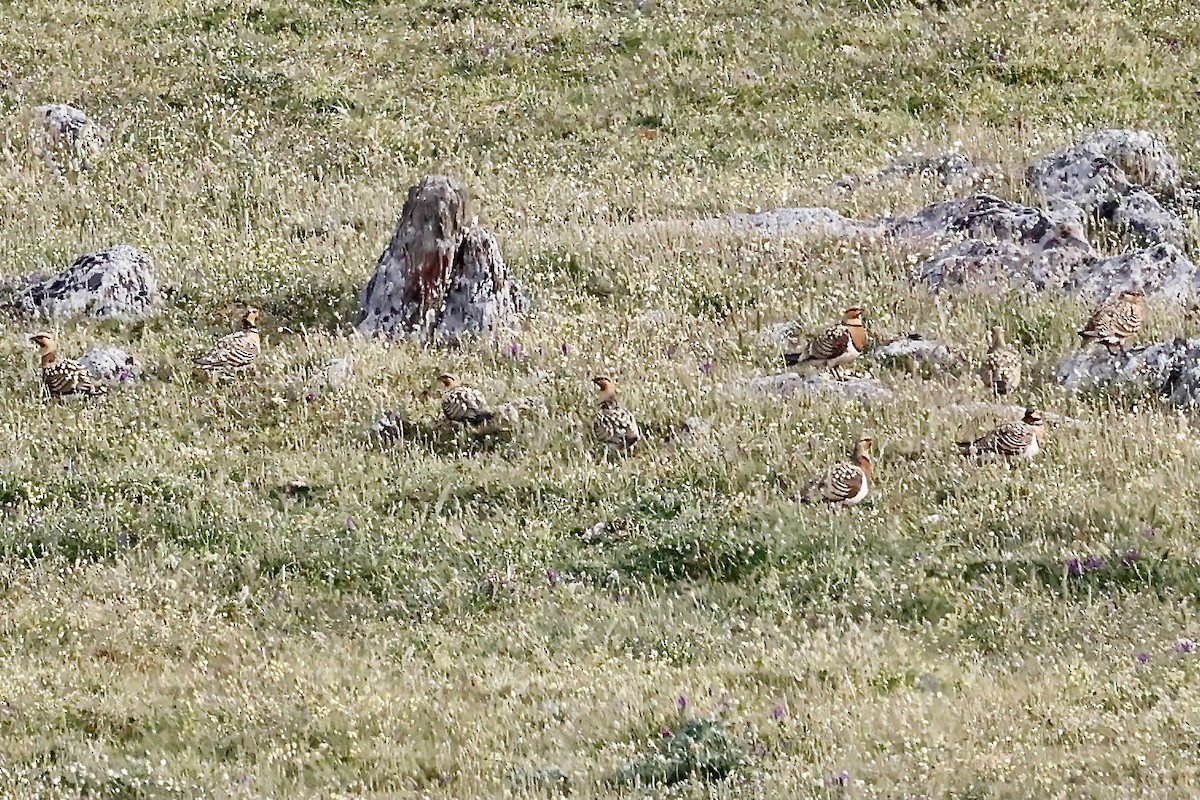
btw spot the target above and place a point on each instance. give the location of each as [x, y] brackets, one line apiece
[843, 484]
[1116, 321]
[463, 404]
[1017, 439]
[834, 346]
[1001, 369]
[236, 350]
[614, 425]
[63, 377]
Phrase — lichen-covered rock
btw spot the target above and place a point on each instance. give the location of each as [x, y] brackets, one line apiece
[111, 365]
[792, 384]
[66, 136]
[915, 353]
[1161, 271]
[441, 277]
[1138, 370]
[979, 263]
[1111, 175]
[951, 170]
[115, 283]
[985, 216]
[801, 222]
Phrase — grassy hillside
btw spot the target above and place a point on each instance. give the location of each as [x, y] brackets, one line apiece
[454, 618]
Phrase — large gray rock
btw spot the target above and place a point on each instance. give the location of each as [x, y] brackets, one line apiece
[441, 277]
[951, 170]
[1161, 271]
[915, 353]
[67, 137]
[115, 283]
[996, 242]
[1170, 368]
[1111, 175]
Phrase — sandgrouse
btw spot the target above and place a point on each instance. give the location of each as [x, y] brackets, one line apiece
[613, 425]
[1001, 369]
[1018, 439]
[463, 404]
[236, 350]
[843, 484]
[63, 377]
[837, 345]
[1116, 321]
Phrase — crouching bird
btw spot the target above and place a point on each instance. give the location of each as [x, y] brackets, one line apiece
[844, 484]
[64, 377]
[234, 351]
[463, 404]
[1116, 321]
[1019, 439]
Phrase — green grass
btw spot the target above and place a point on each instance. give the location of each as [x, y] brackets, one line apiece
[442, 617]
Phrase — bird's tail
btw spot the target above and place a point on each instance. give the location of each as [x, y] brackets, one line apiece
[794, 359]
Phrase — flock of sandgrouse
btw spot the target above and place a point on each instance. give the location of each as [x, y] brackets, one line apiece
[1112, 325]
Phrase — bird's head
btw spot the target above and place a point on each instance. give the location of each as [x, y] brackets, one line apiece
[44, 341]
[852, 314]
[862, 454]
[1033, 417]
[997, 336]
[447, 380]
[603, 383]
[1133, 296]
[250, 317]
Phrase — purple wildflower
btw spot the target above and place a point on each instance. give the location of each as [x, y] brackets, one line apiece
[1185, 645]
[706, 367]
[1093, 563]
[1142, 658]
[350, 524]
[777, 713]
[552, 577]
[125, 376]
[682, 703]
[1073, 568]
[311, 397]
[562, 348]
[665, 733]
[514, 350]
[841, 779]
[1131, 558]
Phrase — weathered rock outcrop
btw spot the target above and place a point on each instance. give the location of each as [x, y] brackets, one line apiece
[1111, 175]
[817, 222]
[790, 384]
[67, 137]
[951, 170]
[1168, 368]
[118, 282]
[1161, 271]
[441, 277]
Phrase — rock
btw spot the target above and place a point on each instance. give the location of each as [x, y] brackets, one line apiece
[440, 277]
[1108, 175]
[799, 222]
[509, 417]
[1161, 271]
[1005, 411]
[985, 216]
[915, 353]
[390, 426]
[67, 135]
[788, 384]
[978, 263]
[337, 373]
[952, 170]
[115, 283]
[111, 365]
[1138, 370]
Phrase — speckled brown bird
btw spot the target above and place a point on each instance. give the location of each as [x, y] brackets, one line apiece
[236, 350]
[463, 404]
[1001, 368]
[835, 346]
[63, 377]
[1116, 321]
[613, 425]
[1018, 439]
[844, 484]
